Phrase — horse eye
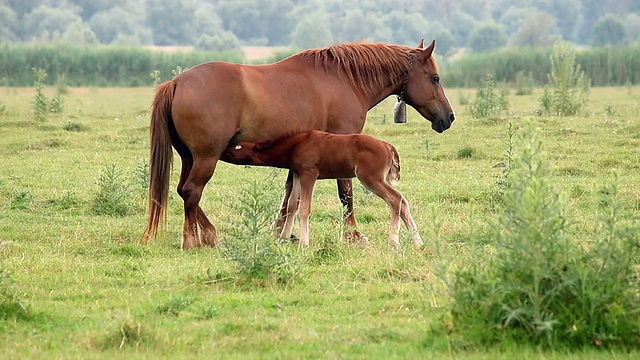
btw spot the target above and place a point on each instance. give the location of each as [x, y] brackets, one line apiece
[436, 79]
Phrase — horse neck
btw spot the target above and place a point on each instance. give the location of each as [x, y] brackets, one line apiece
[376, 91]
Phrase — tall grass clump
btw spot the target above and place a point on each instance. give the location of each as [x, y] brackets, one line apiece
[488, 102]
[524, 83]
[535, 284]
[40, 104]
[567, 92]
[113, 196]
[252, 247]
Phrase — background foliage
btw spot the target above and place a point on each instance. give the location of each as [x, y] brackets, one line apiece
[516, 23]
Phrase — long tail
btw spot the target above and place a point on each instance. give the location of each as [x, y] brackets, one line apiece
[160, 159]
[393, 176]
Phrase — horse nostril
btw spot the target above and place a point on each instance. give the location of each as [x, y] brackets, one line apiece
[452, 117]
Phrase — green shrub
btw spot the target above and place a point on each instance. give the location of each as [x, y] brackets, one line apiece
[567, 92]
[252, 247]
[113, 193]
[487, 103]
[40, 105]
[524, 83]
[535, 285]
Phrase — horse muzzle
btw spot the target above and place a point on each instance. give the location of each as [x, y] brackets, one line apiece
[441, 125]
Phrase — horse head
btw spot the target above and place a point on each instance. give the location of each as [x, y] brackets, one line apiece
[424, 92]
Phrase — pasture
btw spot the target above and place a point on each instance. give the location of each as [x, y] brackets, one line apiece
[91, 290]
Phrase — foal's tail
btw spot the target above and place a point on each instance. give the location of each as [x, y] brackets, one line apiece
[160, 158]
[393, 176]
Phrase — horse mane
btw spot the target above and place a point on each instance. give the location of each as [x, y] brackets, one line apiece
[366, 65]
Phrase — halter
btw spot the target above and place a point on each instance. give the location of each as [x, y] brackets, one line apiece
[406, 78]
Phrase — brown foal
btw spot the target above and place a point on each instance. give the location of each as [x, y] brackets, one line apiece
[319, 155]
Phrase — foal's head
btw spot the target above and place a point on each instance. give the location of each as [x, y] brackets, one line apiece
[424, 92]
[245, 153]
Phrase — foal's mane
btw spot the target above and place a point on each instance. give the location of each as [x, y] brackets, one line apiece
[366, 65]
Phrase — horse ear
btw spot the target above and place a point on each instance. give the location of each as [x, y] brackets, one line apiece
[426, 53]
[421, 45]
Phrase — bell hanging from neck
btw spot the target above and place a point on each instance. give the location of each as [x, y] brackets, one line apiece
[400, 111]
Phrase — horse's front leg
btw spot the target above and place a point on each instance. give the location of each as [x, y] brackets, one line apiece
[345, 192]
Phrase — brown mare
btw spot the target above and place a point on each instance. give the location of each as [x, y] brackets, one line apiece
[206, 108]
[319, 155]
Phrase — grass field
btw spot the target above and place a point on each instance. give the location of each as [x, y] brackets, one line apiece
[90, 290]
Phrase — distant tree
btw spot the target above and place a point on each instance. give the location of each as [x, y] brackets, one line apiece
[223, 41]
[632, 26]
[464, 23]
[23, 7]
[608, 30]
[513, 18]
[171, 22]
[45, 22]
[358, 26]
[7, 23]
[80, 34]
[88, 8]
[251, 20]
[538, 29]
[312, 31]
[121, 23]
[444, 39]
[569, 13]
[408, 28]
[487, 36]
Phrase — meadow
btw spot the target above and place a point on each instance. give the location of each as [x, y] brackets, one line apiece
[89, 289]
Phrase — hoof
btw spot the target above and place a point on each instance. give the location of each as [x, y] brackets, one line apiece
[210, 238]
[355, 236]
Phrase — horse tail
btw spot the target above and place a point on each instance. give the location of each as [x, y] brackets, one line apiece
[393, 176]
[160, 158]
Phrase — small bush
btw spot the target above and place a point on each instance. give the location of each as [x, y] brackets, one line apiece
[524, 83]
[113, 193]
[252, 246]
[74, 126]
[40, 105]
[537, 285]
[466, 152]
[21, 200]
[487, 103]
[567, 92]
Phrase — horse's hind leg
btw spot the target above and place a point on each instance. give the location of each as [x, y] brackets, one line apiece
[405, 214]
[394, 199]
[345, 192]
[282, 214]
[292, 207]
[208, 231]
[191, 189]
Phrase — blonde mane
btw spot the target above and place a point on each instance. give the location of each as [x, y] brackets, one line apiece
[366, 65]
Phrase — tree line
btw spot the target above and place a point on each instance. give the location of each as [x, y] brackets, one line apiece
[218, 25]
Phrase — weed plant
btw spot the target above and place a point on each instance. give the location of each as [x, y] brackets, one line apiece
[251, 247]
[567, 92]
[113, 197]
[40, 105]
[524, 83]
[536, 284]
[487, 103]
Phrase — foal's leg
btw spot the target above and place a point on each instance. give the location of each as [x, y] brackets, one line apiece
[392, 197]
[405, 214]
[199, 175]
[345, 192]
[307, 183]
[282, 214]
[292, 207]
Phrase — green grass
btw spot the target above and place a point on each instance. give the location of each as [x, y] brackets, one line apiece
[92, 291]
